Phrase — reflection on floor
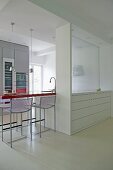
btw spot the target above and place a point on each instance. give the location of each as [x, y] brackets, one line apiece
[91, 149]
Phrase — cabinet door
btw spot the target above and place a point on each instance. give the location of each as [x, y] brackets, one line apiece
[21, 83]
[1, 71]
[21, 61]
[8, 52]
[8, 75]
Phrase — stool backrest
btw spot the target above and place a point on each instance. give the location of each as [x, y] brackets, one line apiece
[47, 102]
[21, 105]
[4, 103]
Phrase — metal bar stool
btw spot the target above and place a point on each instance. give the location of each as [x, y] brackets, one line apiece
[46, 102]
[4, 105]
[19, 106]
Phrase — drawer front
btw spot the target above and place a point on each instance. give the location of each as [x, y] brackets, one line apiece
[81, 97]
[77, 114]
[88, 109]
[88, 121]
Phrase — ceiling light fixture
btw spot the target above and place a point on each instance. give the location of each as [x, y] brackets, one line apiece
[12, 29]
[31, 31]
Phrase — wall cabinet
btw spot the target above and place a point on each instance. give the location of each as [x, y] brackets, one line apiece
[8, 52]
[21, 82]
[22, 60]
[16, 56]
[1, 71]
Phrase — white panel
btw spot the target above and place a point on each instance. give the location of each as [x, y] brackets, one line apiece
[21, 60]
[85, 66]
[63, 78]
[8, 52]
[106, 70]
[1, 71]
[106, 60]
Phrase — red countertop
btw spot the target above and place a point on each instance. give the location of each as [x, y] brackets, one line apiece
[21, 95]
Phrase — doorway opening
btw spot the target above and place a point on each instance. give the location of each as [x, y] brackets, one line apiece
[36, 78]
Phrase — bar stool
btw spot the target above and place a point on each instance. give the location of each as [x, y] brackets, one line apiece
[4, 105]
[18, 106]
[46, 102]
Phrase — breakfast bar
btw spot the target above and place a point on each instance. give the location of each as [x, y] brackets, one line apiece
[22, 95]
[17, 104]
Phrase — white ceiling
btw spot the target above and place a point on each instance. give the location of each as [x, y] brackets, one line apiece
[3, 3]
[95, 16]
[27, 15]
[37, 45]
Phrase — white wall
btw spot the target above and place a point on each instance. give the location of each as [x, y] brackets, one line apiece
[38, 59]
[1, 71]
[90, 62]
[49, 70]
[106, 67]
[87, 57]
[48, 61]
[106, 70]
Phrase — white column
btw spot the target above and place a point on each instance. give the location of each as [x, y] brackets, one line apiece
[63, 78]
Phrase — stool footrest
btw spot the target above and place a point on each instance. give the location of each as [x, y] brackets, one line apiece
[11, 127]
[25, 120]
[38, 120]
[5, 124]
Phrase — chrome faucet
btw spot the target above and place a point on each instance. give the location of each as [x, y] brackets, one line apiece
[54, 90]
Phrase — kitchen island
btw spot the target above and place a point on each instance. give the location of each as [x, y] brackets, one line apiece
[89, 108]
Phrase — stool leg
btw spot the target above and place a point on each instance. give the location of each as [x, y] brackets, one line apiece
[21, 125]
[16, 121]
[27, 118]
[40, 122]
[2, 124]
[13, 118]
[31, 123]
[44, 118]
[11, 129]
[35, 116]
[54, 118]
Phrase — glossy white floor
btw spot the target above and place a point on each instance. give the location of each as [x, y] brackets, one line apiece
[91, 149]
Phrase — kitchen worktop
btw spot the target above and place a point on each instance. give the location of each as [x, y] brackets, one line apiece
[21, 95]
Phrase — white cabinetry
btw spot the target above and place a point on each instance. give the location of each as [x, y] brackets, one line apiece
[88, 109]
